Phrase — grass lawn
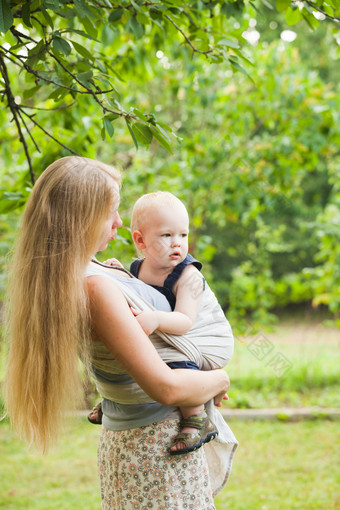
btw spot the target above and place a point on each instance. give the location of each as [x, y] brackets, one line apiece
[295, 365]
[278, 466]
[284, 466]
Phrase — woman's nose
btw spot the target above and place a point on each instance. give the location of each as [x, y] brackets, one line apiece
[118, 222]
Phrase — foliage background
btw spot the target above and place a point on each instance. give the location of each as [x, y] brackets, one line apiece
[247, 134]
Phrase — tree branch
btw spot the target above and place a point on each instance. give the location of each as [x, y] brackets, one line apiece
[89, 91]
[49, 134]
[195, 50]
[311, 4]
[14, 109]
[20, 113]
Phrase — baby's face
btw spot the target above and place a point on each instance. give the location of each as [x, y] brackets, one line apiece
[165, 234]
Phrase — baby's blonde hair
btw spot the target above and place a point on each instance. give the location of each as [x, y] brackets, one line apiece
[48, 319]
[147, 203]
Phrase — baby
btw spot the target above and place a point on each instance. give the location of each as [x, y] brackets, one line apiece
[160, 228]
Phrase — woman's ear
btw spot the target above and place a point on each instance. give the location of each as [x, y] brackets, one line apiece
[138, 239]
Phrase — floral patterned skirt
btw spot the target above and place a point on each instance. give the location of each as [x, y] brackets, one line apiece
[136, 472]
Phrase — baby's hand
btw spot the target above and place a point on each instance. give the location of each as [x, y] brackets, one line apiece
[113, 262]
[147, 319]
[218, 399]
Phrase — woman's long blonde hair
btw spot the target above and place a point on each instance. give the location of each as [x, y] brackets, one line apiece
[48, 324]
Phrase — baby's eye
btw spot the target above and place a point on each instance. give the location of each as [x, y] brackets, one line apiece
[165, 235]
[184, 235]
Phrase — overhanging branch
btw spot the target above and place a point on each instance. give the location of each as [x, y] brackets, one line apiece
[14, 109]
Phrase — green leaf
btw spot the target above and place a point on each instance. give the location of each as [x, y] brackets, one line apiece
[161, 139]
[155, 13]
[136, 6]
[6, 18]
[310, 19]
[282, 5]
[237, 66]
[85, 77]
[80, 32]
[48, 18]
[116, 14]
[231, 10]
[51, 4]
[35, 54]
[161, 130]
[228, 43]
[112, 116]
[58, 94]
[30, 92]
[131, 133]
[90, 28]
[138, 114]
[81, 8]
[164, 126]
[142, 133]
[26, 14]
[10, 201]
[108, 127]
[136, 27]
[101, 66]
[267, 4]
[61, 45]
[292, 16]
[82, 50]
[240, 54]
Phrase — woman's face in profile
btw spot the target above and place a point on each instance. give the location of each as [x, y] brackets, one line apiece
[110, 226]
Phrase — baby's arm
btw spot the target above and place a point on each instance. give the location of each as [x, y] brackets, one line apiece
[188, 291]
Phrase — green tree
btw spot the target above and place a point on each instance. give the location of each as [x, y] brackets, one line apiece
[74, 55]
[255, 159]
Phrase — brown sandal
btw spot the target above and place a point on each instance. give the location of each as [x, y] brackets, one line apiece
[99, 415]
[206, 431]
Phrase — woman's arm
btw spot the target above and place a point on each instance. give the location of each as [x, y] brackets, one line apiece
[121, 333]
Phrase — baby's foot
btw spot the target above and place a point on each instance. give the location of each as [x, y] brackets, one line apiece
[187, 432]
[96, 415]
[197, 430]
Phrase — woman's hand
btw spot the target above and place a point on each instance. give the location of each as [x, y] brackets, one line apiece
[218, 399]
[147, 319]
[223, 395]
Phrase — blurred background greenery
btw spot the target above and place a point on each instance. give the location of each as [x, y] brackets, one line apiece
[255, 158]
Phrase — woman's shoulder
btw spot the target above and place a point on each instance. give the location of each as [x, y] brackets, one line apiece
[93, 269]
[97, 285]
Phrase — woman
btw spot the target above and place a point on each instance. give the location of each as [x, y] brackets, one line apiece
[55, 315]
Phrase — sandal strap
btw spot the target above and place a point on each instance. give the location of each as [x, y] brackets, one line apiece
[187, 438]
[197, 421]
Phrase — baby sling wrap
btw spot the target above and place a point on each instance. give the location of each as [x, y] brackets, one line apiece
[209, 343]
